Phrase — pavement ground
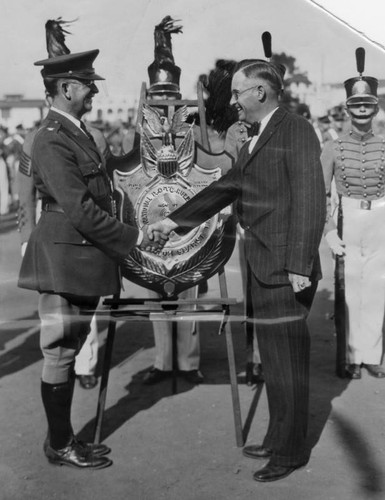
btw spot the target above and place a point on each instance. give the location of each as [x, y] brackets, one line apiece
[182, 446]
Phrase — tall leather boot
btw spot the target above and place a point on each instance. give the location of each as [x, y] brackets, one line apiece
[63, 448]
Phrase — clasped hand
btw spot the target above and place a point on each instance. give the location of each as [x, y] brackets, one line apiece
[155, 236]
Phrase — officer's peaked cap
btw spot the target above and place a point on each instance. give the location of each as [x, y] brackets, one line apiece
[77, 65]
[61, 63]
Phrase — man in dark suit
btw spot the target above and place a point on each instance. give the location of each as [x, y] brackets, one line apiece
[72, 254]
[278, 188]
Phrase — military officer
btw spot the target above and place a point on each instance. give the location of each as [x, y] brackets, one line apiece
[356, 162]
[28, 214]
[72, 254]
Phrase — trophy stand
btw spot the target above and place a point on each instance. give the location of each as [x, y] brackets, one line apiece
[137, 310]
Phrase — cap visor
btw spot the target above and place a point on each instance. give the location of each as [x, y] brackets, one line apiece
[362, 99]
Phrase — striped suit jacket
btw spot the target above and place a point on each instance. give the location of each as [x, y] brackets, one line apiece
[280, 200]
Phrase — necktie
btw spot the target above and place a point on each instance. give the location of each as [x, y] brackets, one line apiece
[83, 127]
[254, 129]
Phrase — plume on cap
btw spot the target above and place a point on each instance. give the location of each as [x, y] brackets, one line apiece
[55, 37]
[266, 42]
[360, 60]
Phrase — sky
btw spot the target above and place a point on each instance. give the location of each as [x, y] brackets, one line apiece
[212, 29]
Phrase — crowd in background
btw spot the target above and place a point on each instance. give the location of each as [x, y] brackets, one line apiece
[120, 136]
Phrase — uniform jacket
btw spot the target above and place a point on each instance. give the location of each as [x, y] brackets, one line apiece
[356, 162]
[29, 211]
[236, 136]
[280, 200]
[74, 251]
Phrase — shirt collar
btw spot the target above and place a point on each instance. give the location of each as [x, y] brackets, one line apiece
[364, 136]
[67, 115]
[266, 120]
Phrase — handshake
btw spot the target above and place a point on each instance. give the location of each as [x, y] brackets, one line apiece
[156, 235]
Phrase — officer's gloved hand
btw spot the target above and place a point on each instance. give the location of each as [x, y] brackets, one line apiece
[335, 243]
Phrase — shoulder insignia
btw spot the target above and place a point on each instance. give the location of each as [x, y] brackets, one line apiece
[51, 126]
[25, 166]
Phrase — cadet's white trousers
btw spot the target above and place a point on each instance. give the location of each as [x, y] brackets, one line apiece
[364, 237]
[187, 340]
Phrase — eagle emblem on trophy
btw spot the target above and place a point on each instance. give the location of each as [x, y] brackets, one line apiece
[171, 168]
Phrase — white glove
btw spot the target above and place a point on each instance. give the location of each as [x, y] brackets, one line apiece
[335, 243]
[23, 248]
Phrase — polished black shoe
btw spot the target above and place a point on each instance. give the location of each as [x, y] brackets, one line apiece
[376, 371]
[154, 376]
[353, 371]
[87, 381]
[74, 455]
[272, 472]
[98, 449]
[192, 376]
[256, 451]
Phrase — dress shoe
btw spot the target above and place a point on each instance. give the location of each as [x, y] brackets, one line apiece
[154, 376]
[272, 472]
[376, 371]
[192, 376]
[74, 455]
[87, 381]
[353, 371]
[97, 449]
[257, 451]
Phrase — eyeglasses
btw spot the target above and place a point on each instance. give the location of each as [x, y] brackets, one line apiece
[237, 93]
[88, 84]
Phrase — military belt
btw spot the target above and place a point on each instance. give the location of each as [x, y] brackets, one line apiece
[48, 205]
[362, 204]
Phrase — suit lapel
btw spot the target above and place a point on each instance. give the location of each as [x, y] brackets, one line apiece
[268, 132]
[78, 136]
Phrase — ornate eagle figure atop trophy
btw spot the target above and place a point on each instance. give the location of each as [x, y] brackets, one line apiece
[163, 73]
[167, 160]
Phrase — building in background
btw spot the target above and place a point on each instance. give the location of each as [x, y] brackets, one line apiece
[16, 110]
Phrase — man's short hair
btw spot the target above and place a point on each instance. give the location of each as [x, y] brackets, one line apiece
[51, 86]
[258, 68]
